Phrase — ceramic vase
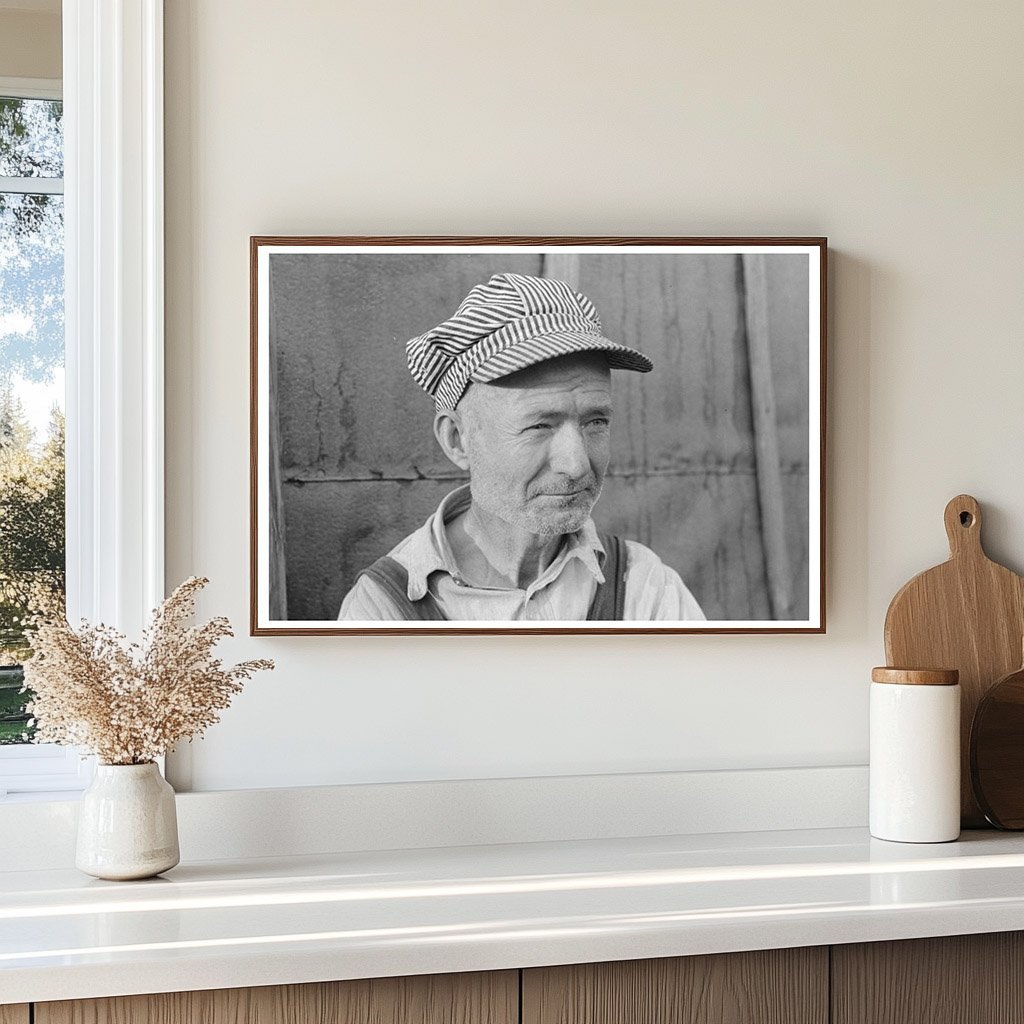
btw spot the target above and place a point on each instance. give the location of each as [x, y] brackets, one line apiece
[127, 825]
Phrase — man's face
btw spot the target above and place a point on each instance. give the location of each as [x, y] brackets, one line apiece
[537, 443]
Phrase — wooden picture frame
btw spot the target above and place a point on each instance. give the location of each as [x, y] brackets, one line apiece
[717, 465]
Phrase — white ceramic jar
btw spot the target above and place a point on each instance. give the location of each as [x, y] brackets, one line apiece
[915, 755]
[127, 823]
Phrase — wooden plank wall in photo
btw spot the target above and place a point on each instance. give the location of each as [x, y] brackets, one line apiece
[359, 468]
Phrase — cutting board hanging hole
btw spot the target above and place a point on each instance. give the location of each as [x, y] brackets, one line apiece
[963, 525]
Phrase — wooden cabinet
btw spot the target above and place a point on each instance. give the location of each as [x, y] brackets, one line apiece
[776, 986]
[962, 979]
[968, 979]
[965, 979]
[491, 998]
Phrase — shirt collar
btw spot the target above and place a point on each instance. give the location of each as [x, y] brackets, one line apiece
[428, 551]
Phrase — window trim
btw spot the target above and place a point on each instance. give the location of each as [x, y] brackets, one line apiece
[114, 329]
[32, 88]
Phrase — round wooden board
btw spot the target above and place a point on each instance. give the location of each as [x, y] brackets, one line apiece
[997, 752]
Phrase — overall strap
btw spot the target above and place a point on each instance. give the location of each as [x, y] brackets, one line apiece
[609, 602]
[394, 578]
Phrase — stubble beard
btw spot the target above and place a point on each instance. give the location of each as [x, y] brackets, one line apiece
[558, 521]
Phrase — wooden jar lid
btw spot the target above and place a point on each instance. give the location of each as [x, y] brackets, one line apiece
[918, 676]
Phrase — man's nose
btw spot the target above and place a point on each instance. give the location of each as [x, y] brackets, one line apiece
[568, 454]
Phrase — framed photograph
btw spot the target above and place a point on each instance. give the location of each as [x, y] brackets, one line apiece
[537, 435]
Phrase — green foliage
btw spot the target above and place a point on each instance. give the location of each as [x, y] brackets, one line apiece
[32, 506]
[14, 727]
[31, 544]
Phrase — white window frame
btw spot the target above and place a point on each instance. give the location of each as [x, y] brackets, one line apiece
[114, 337]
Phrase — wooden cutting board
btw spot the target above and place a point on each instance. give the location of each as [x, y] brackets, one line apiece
[967, 614]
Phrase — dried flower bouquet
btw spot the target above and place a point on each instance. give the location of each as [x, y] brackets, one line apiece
[129, 704]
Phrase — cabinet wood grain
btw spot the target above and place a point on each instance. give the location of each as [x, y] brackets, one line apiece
[961, 979]
[15, 1014]
[779, 986]
[479, 998]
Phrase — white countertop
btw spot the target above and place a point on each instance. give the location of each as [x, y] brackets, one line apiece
[225, 924]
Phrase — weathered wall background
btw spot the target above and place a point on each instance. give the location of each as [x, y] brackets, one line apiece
[360, 469]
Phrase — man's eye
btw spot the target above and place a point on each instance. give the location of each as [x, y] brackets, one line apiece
[599, 422]
[539, 426]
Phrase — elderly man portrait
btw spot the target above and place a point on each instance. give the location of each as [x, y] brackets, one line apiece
[520, 376]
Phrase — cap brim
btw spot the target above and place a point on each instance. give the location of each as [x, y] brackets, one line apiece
[551, 346]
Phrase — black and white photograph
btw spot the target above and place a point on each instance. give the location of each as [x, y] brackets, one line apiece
[537, 435]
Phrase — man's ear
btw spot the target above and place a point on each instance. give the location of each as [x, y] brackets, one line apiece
[449, 429]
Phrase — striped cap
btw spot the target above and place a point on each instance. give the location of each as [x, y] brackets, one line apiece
[503, 326]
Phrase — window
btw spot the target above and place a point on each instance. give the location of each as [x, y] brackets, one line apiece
[32, 514]
[31, 379]
[113, 312]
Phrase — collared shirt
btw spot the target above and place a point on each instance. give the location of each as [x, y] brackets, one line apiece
[562, 592]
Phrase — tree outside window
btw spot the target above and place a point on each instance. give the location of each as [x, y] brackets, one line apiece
[31, 386]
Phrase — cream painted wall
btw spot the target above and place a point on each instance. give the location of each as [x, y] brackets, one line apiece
[29, 43]
[894, 129]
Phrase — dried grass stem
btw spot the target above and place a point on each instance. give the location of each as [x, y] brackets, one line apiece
[130, 703]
